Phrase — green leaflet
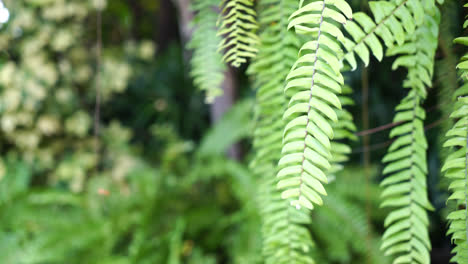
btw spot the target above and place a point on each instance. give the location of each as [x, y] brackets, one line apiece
[455, 169]
[237, 25]
[393, 22]
[405, 191]
[207, 69]
[312, 86]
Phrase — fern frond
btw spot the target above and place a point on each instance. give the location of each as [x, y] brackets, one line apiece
[238, 26]
[406, 234]
[312, 86]
[456, 165]
[207, 69]
[417, 53]
[285, 236]
[456, 169]
[278, 52]
[393, 22]
[405, 186]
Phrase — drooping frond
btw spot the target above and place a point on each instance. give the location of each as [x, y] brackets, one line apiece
[456, 166]
[393, 22]
[456, 169]
[285, 236]
[237, 26]
[312, 87]
[278, 52]
[405, 186]
[417, 53]
[207, 69]
[406, 227]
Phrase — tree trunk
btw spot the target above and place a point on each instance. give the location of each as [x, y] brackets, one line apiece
[223, 103]
[167, 24]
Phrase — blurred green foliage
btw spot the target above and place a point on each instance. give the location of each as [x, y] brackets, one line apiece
[200, 212]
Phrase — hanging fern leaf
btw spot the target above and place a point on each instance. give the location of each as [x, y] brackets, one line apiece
[237, 26]
[285, 236]
[406, 227]
[278, 51]
[405, 186]
[456, 166]
[417, 53]
[393, 21]
[207, 68]
[312, 86]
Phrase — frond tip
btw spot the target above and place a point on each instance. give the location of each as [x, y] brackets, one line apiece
[207, 69]
[312, 86]
[406, 233]
[405, 190]
[238, 26]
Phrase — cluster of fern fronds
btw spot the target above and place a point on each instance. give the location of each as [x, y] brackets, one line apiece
[303, 52]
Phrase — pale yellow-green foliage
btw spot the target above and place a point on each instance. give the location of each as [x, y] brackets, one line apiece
[47, 85]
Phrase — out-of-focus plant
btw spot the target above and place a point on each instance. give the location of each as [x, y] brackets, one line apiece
[133, 212]
[48, 84]
[196, 208]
